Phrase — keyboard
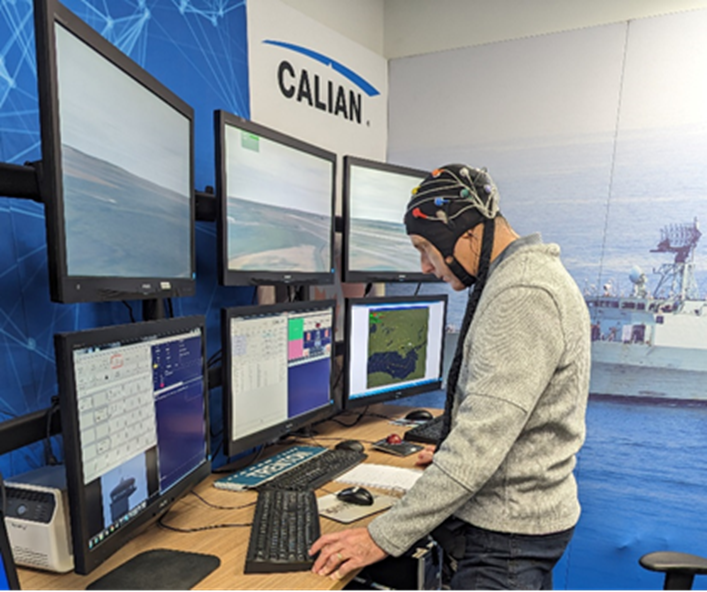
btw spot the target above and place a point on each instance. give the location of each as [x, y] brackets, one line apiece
[427, 433]
[316, 471]
[285, 525]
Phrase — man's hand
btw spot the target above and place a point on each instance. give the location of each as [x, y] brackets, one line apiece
[345, 551]
[424, 457]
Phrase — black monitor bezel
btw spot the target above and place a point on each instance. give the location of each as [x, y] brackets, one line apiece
[235, 447]
[6, 557]
[232, 277]
[371, 276]
[392, 394]
[63, 287]
[85, 559]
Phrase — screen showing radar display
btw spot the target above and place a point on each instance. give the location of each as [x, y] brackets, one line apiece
[278, 205]
[377, 240]
[394, 346]
[126, 170]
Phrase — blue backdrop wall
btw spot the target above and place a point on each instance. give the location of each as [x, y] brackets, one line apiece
[198, 48]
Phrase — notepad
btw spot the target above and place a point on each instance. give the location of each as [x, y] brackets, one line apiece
[381, 476]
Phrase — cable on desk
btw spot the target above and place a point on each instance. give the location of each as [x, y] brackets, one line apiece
[380, 415]
[337, 438]
[211, 505]
[345, 425]
[161, 524]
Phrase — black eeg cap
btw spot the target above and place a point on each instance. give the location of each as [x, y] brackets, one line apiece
[451, 200]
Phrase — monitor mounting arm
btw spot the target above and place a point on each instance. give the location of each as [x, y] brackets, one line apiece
[21, 181]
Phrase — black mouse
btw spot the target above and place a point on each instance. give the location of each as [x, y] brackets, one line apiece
[356, 495]
[354, 445]
[419, 415]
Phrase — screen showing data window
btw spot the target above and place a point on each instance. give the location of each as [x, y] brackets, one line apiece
[278, 370]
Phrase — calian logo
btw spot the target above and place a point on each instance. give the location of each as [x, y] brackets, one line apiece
[325, 95]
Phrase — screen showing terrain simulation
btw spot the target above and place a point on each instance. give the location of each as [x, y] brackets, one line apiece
[279, 205]
[126, 171]
[377, 240]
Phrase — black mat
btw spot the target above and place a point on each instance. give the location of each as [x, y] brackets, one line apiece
[160, 569]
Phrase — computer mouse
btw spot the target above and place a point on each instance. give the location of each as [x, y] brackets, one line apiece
[394, 439]
[356, 495]
[419, 415]
[354, 445]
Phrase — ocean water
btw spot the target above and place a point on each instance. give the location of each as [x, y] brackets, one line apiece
[642, 474]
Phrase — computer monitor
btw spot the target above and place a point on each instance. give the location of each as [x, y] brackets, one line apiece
[394, 347]
[134, 418]
[8, 572]
[376, 247]
[277, 371]
[117, 160]
[276, 199]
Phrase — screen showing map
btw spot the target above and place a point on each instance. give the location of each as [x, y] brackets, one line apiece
[394, 346]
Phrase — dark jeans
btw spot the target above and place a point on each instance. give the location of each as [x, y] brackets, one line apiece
[488, 560]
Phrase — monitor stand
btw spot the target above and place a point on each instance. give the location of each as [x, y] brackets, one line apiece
[159, 569]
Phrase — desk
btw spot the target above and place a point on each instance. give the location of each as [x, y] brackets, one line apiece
[231, 544]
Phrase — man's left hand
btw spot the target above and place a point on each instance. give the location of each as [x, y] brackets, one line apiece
[345, 551]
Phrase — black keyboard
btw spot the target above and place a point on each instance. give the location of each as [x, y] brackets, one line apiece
[427, 433]
[285, 525]
[316, 471]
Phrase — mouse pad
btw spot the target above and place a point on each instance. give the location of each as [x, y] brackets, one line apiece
[335, 509]
[159, 569]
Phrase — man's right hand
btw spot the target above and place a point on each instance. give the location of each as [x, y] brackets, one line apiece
[424, 457]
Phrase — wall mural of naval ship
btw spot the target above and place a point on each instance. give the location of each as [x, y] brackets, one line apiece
[652, 344]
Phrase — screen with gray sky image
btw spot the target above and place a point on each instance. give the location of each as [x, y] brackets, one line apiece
[279, 205]
[377, 237]
[126, 169]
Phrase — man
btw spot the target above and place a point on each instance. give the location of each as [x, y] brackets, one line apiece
[499, 490]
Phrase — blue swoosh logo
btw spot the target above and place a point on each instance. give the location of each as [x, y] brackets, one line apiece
[365, 86]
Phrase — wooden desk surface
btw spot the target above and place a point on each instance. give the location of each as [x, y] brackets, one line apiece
[231, 544]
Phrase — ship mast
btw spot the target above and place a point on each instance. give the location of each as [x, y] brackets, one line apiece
[677, 279]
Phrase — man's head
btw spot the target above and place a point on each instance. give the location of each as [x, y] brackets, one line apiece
[443, 213]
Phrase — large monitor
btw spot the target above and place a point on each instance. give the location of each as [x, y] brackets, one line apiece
[375, 246]
[277, 370]
[135, 425]
[394, 347]
[117, 179]
[276, 199]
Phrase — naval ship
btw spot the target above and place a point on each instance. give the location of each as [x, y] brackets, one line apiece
[653, 346]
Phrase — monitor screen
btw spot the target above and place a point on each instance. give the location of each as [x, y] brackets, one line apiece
[277, 374]
[117, 152]
[376, 247]
[276, 197]
[8, 571]
[135, 427]
[395, 347]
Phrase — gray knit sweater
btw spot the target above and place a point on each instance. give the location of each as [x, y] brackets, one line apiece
[519, 413]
